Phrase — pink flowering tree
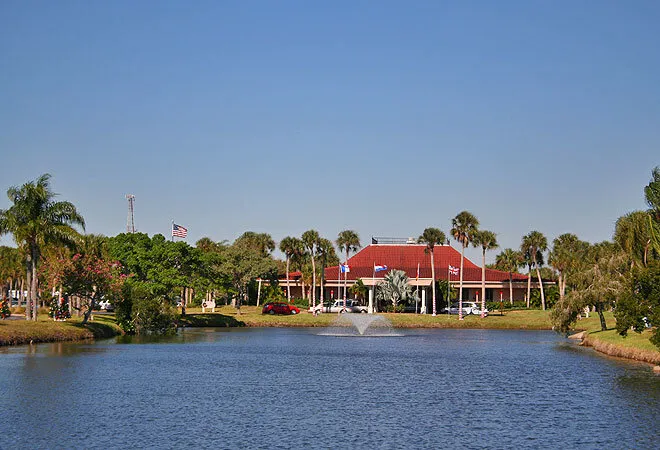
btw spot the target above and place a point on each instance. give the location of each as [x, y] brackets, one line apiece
[91, 278]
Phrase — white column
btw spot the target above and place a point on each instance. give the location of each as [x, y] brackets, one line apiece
[371, 300]
[423, 309]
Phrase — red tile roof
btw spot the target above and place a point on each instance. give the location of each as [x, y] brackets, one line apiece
[406, 257]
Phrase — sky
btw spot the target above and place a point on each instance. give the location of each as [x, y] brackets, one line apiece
[382, 117]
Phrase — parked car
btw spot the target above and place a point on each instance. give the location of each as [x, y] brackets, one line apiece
[352, 306]
[280, 308]
[468, 308]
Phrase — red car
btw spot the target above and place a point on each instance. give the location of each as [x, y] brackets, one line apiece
[280, 308]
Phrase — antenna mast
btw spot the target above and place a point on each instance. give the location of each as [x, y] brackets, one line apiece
[130, 223]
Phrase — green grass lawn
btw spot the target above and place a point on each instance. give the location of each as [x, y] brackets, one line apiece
[15, 332]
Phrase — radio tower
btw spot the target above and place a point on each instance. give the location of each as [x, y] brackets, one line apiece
[130, 223]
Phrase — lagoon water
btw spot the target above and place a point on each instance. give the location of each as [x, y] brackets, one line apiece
[294, 388]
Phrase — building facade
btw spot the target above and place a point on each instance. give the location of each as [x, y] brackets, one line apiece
[415, 260]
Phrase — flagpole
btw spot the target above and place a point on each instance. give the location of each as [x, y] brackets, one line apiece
[448, 289]
[172, 231]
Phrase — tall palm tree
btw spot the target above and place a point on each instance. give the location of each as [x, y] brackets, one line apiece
[633, 232]
[509, 261]
[310, 239]
[289, 245]
[535, 243]
[487, 240]
[348, 241]
[36, 219]
[567, 251]
[325, 249]
[463, 228]
[432, 237]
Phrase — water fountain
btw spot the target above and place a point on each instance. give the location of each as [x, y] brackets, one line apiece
[360, 325]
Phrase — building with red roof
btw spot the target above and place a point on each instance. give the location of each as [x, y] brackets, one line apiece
[415, 260]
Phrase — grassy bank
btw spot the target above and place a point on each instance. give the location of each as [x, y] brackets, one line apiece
[17, 332]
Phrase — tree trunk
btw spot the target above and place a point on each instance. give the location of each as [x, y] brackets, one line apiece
[460, 283]
[28, 299]
[560, 282]
[35, 280]
[313, 281]
[529, 283]
[288, 285]
[90, 307]
[599, 309]
[538, 274]
[432, 280]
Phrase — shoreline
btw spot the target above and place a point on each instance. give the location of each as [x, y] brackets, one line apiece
[45, 331]
[620, 351]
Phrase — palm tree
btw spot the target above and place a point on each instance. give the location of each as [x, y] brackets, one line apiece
[11, 270]
[261, 243]
[487, 240]
[289, 245]
[35, 220]
[310, 239]
[509, 261]
[395, 288]
[634, 234]
[534, 244]
[567, 251]
[464, 227]
[432, 237]
[348, 241]
[325, 249]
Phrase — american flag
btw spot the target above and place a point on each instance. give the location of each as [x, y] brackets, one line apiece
[179, 231]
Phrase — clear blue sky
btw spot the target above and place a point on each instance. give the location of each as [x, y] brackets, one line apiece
[384, 117]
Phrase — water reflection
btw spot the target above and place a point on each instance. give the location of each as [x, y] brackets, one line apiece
[226, 388]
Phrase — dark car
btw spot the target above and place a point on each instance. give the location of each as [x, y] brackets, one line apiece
[280, 308]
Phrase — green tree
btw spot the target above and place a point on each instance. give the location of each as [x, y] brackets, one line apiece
[11, 269]
[487, 240]
[640, 305]
[347, 241]
[261, 243]
[652, 196]
[395, 288]
[326, 252]
[289, 246]
[35, 219]
[534, 244]
[509, 261]
[432, 237]
[358, 289]
[463, 228]
[565, 257]
[600, 281]
[242, 265]
[310, 240]
[634, 233]
[88, 274]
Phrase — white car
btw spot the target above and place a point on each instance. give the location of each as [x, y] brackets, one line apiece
[352, 306]
[468, 308]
